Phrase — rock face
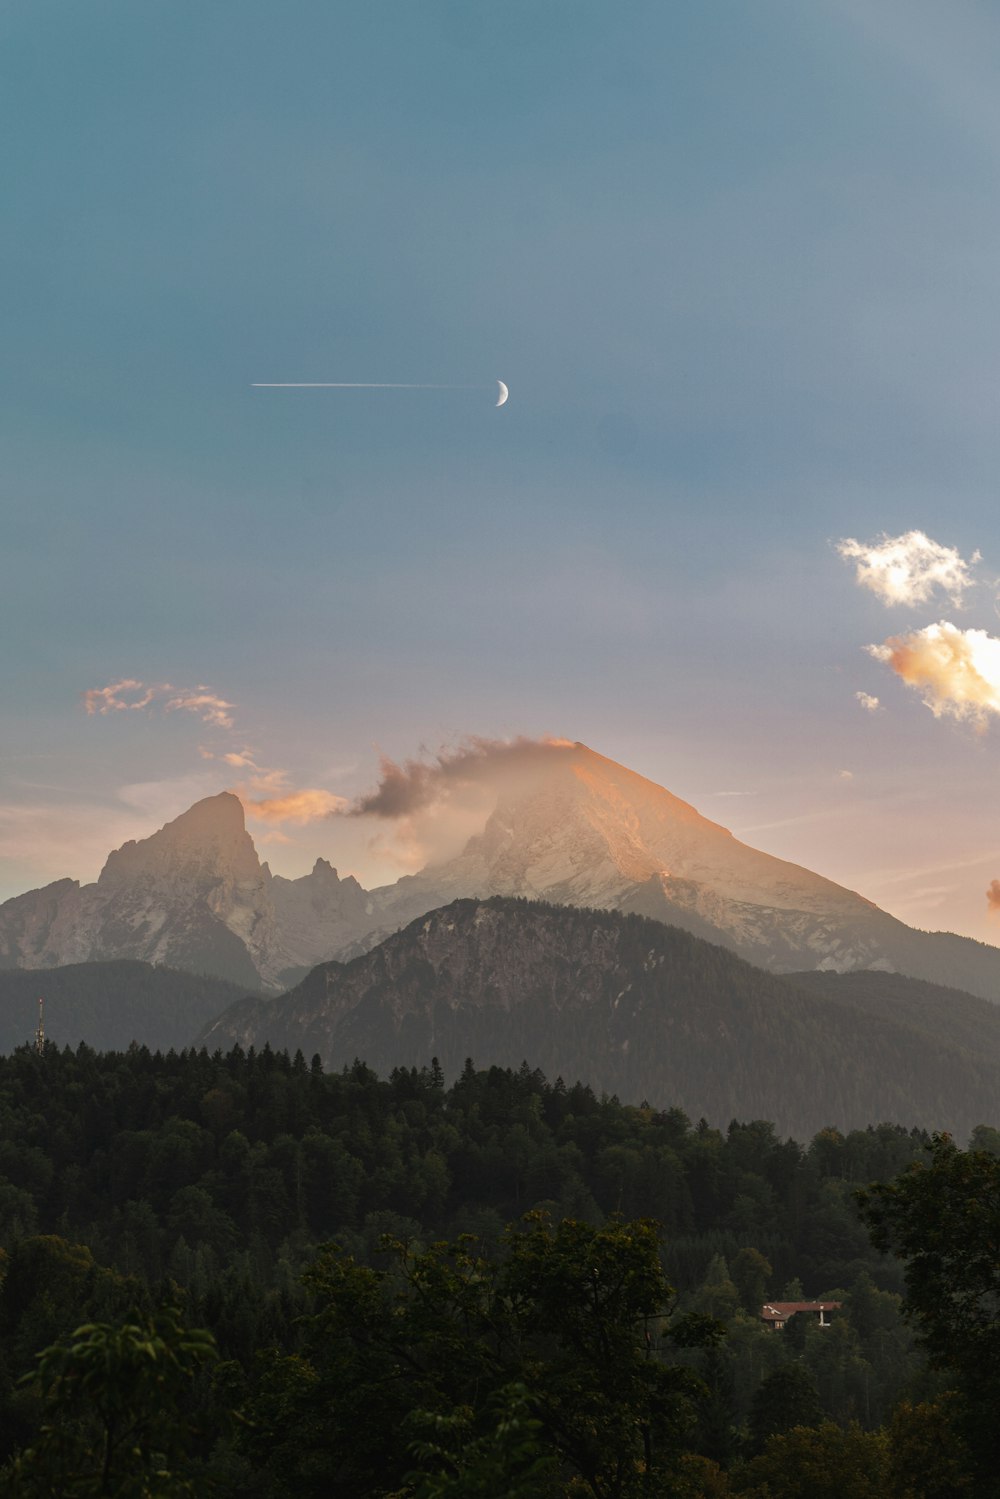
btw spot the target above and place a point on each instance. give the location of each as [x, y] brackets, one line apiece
[641, 1010]
[575, 829]
[586, 831]
[193, 896]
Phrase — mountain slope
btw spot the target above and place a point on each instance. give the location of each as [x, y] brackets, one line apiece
[583, 830]
[634, 1008]
[110, 1005]
[193, 895]
[567, 826]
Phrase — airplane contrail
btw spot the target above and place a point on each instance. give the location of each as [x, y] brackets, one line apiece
[502, 391]
[353, 385]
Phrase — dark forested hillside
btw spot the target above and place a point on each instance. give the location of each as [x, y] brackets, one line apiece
[155, 1159]
[642, 1010]
[208, 1184]
[971, 1022]
[109, 1005]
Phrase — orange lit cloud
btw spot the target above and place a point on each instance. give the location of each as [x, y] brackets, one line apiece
[907, 569]
[295, 806]
[132, 694]
[118, 696]
[240, 759]
[209, 708]
[264, 783]
[403, 789]
[956, 672]
[993, 898]
[267, 794]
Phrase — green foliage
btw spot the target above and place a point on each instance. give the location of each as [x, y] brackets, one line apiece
[750, 1273]
[927, 1457]
[553, 1359]
[508, 1458]
[117, 1413]
[786, 1398]
[211, 1180]
[817, 1462]
[943, 1218]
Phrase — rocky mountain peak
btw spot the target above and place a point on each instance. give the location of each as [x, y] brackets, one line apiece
[209, 840]
[568, 826]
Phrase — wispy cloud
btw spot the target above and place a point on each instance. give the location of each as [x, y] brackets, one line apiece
[295, 806]
[907, 569]
[208, 706]
[118, 697]
[869, 703]
[268, 795]
[130, 694]
[956, 672]
[993, 898]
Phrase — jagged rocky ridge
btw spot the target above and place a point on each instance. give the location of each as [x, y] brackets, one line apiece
[576, 829]
[638, 1009]
[194, 896]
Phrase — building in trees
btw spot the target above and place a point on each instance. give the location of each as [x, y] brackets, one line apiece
[776, 1313]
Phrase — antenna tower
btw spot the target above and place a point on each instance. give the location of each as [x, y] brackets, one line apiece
[40, 1032]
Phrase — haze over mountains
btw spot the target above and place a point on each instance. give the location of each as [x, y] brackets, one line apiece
[569, 827]
[110, 1005]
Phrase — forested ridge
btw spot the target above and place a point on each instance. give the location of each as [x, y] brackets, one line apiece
[108, 1005]
[640, 1009]
[133, 1183]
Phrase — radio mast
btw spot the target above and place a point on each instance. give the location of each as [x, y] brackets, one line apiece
[40, 1032]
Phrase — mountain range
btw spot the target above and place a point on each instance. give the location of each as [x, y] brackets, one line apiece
[644, 1011]
[572, 828]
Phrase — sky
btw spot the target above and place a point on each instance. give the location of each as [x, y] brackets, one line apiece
[736, 263]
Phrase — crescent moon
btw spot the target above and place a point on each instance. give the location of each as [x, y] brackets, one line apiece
[502, 392]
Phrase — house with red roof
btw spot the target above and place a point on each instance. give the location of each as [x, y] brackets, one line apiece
[776, 1313]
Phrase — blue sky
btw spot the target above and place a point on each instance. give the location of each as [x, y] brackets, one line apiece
[737, 264]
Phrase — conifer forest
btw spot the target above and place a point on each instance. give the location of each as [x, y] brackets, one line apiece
[242, 1275]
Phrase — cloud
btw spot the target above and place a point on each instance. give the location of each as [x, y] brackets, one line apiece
[404, 789]
[209, 708]
[115, 698]
[869, 703]
[956, 672]
[993, 898]
[845, 775]
[295, 806]
[907, 569]
[132, 694]
[240, 759]
[267, 795]
[264, 783]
